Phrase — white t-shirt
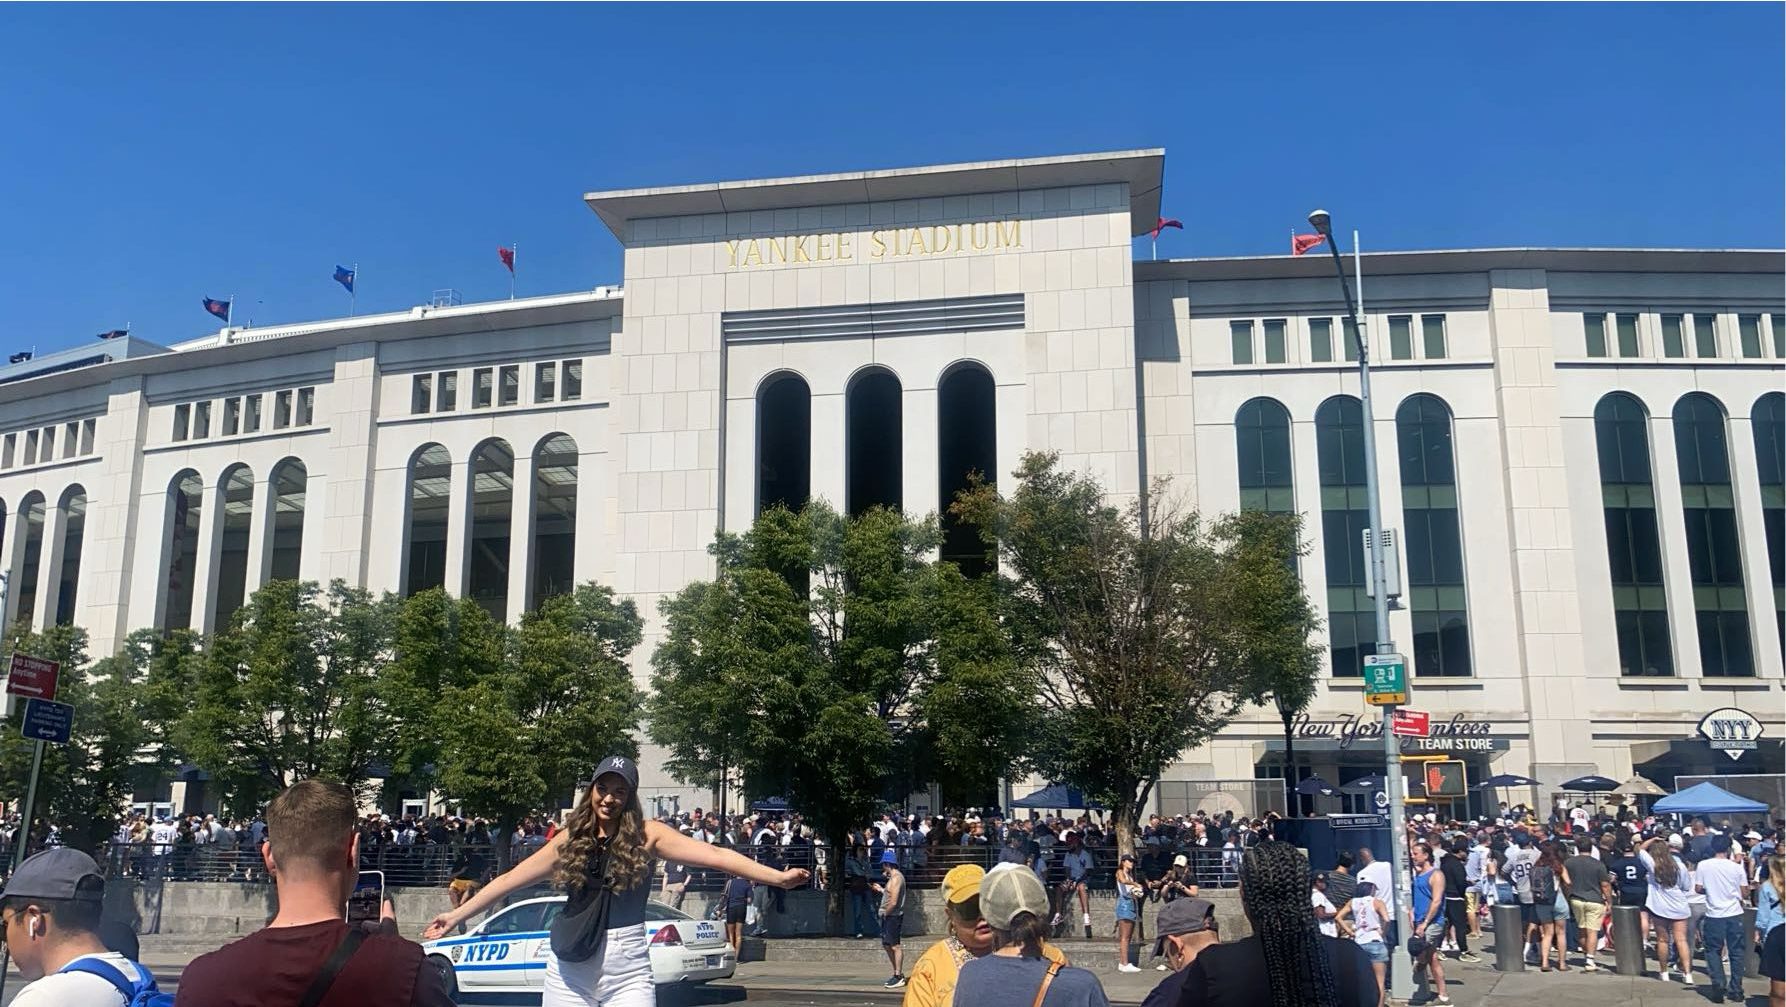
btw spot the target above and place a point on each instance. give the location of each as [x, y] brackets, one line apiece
[1320, 901]
[78, 989]
[1670, 902]
[1378, 874]
[1723, 883]
[164, 834]
[1366, 925]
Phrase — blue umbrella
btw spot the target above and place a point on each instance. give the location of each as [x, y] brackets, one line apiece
[1365, 783]
[1314, 785]
[1590, 784]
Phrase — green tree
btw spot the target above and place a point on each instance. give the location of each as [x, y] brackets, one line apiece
[1149, 649]
[521, 737]
[813, 660]
[289, 691]
[438, 644]
[85, 783]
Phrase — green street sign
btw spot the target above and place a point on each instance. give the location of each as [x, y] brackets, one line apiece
[1385, 679]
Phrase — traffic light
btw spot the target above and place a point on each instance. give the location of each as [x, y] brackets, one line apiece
[1445, 778]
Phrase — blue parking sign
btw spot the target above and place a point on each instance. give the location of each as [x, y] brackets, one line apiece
[47, 720]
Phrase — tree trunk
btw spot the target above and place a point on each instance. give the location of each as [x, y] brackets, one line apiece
[1126, 814]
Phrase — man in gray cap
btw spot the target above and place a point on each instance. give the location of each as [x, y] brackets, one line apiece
[50, 910]
[1185, 927]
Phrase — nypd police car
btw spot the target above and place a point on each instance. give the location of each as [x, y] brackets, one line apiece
[507, 952]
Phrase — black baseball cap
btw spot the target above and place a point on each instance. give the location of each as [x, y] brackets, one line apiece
[1183, 916]
[620, 766]
[59, 874]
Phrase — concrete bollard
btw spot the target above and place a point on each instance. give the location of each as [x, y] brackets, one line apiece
[1627, 940]
[1510, 941]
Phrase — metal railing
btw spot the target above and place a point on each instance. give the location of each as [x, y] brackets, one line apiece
[420, 865]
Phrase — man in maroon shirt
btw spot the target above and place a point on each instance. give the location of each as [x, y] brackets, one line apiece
[312, 854]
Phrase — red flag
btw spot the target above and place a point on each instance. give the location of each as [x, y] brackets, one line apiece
[1164, 223]
[507, 255]
[1300, 243]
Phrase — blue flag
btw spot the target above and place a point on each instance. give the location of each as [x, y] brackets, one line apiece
[344, 276]
[218, 308]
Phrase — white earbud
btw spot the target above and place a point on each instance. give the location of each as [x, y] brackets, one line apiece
[31, 927]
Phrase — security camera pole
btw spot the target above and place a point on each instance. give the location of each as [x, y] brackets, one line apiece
[1401, 969]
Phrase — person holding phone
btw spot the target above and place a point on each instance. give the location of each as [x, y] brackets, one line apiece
[602, 859]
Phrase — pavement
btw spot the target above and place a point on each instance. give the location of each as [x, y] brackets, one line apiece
[830, 971]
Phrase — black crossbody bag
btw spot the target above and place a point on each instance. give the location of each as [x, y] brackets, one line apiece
[579, 933]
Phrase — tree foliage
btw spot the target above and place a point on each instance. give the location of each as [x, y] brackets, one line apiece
[1158, 628]
[523, 733]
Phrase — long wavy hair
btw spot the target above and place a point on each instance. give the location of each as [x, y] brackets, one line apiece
[1667, 869]
[1274, 887]
[627, 858]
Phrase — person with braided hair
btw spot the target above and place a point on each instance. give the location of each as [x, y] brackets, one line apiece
[1287, 962]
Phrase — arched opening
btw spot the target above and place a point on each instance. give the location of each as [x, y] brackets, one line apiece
[74, 535]
[1768, 420]
[967, 442]
[554, 517]
[232, 554]
[188, 492]
[291, 481]
[1345, 514]
[1262, 444]
[1633, 542]
[492, 476]
[874, 453]
[30, 559]
[1432, 539]
[784, 443]
[1714, 546]
[430, 499]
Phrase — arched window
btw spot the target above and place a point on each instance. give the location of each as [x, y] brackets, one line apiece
[1345, 515]
[967, 442]
[1714, 550]
[784, 443]
[554, 517]
[430, 499]
[1434, 546]
[25, 580]
[291, 481]
[1633, 544]
[188, 493]
[492, 474]
[1768, 421]
[1262, 443]
[74, 535]
[232, 556]
[873, 457]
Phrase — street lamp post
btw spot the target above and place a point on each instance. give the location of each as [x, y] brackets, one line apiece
[1401, 969]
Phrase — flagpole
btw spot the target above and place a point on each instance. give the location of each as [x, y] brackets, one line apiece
[1156, 246]
[353, 292]
[229, 312]
[514, 263]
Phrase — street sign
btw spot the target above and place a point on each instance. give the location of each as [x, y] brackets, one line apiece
[1385, 679]
[32, 677]
[1410, 723]
[48, 720]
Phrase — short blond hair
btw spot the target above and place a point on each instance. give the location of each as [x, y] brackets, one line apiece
[309, 820]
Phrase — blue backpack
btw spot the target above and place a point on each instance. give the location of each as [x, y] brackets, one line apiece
[137, 993]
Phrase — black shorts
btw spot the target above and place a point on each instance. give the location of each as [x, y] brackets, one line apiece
[890, 928]
[1773, 954]
[1632, 898]
[735, 914]
[1528, 913]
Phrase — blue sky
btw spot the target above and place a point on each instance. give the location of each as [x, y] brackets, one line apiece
[158, 155]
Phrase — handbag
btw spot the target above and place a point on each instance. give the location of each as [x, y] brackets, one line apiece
[579, 933]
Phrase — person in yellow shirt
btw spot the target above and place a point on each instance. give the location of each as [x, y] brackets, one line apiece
[932, 980]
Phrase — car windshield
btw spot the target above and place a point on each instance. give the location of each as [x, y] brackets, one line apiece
[659, 911]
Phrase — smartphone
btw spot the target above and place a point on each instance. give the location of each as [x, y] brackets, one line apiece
[366, 904]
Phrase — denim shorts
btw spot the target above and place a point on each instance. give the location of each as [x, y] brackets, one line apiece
[1379, 954]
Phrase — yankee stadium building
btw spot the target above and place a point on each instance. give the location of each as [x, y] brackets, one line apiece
[1580, 449]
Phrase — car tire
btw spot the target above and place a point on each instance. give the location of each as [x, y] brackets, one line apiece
[448, 977]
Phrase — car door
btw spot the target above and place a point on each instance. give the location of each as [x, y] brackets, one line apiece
[538, 948]
[500, 958]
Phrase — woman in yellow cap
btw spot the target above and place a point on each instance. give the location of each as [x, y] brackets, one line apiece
[932, 982]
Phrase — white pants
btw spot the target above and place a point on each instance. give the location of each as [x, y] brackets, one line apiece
[621, 977]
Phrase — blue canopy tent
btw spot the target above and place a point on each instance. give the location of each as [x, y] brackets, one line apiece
[1707, 799]
[1058, 795]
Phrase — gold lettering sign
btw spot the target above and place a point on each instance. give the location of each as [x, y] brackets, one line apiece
[878, 245]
